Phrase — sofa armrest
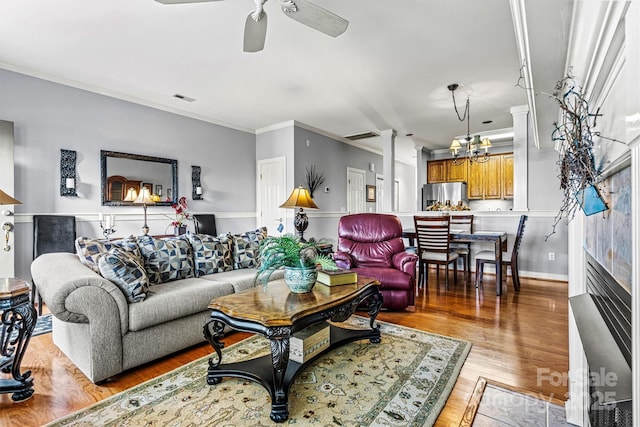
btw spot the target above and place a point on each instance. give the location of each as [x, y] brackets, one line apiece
[406, 262]
[75, 293]
[343, 260]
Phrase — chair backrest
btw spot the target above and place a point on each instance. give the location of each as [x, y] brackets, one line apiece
[53, 233]
[461, 222]
[518, 239]
[432, 233]
[371, 239]
[205, 224]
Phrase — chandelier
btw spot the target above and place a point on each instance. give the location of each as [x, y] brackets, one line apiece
[468, 147]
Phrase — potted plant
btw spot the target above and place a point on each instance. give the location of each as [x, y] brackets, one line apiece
[182, 215]
[298, 259]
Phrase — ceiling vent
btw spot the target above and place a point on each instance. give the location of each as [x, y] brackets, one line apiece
[364, 135]
[184, 97]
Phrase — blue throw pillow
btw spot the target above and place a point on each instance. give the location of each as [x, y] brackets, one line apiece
[121, 267]
[166, 259]
[246, 248]
[211, 254]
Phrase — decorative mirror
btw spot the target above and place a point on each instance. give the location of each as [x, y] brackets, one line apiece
[123, 175]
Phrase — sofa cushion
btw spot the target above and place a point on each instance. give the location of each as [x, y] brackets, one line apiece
[175, 300]
[166, 259]
[90, 249]
[241, 279]
[211, 254]
[246, 248]
[123, 269]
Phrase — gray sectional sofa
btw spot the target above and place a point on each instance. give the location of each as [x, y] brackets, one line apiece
[97, 324]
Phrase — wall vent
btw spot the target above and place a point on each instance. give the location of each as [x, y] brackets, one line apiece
[363, 135]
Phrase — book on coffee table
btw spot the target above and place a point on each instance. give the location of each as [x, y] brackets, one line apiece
[308, 342]
[337, 277]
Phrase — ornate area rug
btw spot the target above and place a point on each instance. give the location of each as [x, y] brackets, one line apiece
[403, 381]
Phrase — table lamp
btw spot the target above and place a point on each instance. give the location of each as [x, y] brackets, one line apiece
[300, 199]
[131, 195]
[144, 199]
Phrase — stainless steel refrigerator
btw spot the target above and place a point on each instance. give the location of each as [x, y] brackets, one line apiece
[451, 191]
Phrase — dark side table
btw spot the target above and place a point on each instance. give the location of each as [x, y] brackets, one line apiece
[18, 318]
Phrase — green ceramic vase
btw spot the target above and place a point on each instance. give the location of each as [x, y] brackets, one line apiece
[300, 280]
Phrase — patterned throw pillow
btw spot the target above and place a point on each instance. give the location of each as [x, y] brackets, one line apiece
[122, 268]
[166, 259]
[246, 248]
[89, 249]
[211, 254]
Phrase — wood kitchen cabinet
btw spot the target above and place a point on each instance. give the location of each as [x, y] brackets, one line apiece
[456, 172]
[507, 176]
[436, 171]
[446, 171]
[491, 179]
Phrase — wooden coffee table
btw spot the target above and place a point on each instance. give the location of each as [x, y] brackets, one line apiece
[277, 314]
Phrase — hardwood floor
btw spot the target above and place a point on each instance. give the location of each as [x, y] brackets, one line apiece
[519, 339]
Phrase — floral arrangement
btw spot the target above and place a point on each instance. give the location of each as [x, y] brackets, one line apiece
[181, 212]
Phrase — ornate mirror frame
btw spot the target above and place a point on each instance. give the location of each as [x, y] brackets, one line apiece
[104, 155]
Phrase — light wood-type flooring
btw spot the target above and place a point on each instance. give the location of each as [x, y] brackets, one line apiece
[519, 339]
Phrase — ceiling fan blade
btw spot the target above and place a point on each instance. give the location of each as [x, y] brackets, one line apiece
[314, 16]
[183, 1]
[255, 33]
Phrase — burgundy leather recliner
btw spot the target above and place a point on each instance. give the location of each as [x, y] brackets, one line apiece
[372, 245]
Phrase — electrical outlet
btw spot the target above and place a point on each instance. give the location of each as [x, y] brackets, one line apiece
[552, 256]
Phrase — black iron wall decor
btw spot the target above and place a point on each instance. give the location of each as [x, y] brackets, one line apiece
[68, 173]
[196, 192]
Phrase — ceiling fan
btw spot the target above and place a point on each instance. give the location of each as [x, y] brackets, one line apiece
[303, 11]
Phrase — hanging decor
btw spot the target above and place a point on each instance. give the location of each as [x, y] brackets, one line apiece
[468, 147]
[574, 134]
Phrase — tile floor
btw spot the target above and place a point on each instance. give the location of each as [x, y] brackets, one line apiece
[500, 408]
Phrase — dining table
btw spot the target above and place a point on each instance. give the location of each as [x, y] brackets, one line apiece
[498, 238]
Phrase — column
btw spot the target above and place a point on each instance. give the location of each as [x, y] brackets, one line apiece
[388, 167]
[421, 173]
[520, 116]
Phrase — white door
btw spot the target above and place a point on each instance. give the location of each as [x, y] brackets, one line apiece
[271, 194]
[7, 258]
[355, 190]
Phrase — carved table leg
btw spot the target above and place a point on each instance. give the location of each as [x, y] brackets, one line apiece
[20, 320]
[279, 341]
[213, 332]
[375, 303]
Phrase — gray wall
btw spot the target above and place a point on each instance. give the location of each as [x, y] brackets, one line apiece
[332, 157]
[50, 116]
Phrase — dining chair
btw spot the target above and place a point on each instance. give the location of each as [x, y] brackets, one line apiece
[51, 233]
[463, 224]
[509, 259]
[433, 243]
[205, 224]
